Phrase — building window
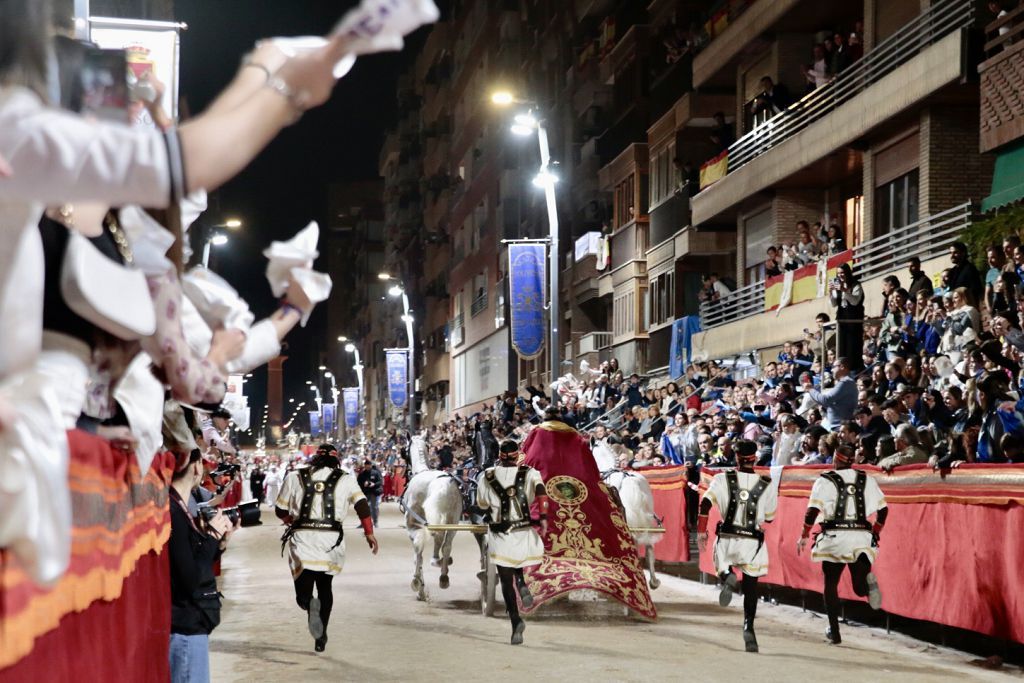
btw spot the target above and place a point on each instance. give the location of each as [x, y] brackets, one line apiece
[624, 315]
[661, 299]
[758, 234]
[625, 202]
[896, 203]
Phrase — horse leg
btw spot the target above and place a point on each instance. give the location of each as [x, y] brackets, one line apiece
[435, 559]
[649, 552]
[418, 536]
[446, 557]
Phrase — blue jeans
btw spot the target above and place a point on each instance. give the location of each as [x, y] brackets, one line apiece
[190, 658]
[374, 501]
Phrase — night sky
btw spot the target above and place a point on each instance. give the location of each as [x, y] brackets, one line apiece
[286, 186]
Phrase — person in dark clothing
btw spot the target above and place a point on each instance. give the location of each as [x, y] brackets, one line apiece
[773, 99]
[722, 134]
[256, 480]
[371, 482]
[634, 395]
[964, 273]
[919, 281]
[847, 295]
[445, 455]
[485, 445]
[192, 549]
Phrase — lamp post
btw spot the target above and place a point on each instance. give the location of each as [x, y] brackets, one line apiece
[217, 239]
[396, 291]
[526, 124]
[358, 367]
[334, 399]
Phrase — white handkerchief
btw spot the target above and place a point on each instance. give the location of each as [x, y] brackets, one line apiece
[316, 286]
[217, 301]
[293, 47]
[298, 252]
[149, 240]
[377, 23]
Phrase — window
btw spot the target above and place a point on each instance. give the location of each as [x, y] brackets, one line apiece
[896, 203]
[625, 202]
[758, 237]
[624, 314]
[661, 298]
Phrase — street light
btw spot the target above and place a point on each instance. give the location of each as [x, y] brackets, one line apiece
[217, 239]
[396, 291]
[526, 123]
[358, 367]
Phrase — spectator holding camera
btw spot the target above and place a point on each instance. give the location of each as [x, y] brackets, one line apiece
[193, 548]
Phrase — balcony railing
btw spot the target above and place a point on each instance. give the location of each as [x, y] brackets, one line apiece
[925, 239]
[939, 20]
[457, 331]
[479, 304]
[595, 341]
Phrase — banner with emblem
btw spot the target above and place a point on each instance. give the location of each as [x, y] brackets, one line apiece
[329, 419]
[151, 47]
[314, 423]
[526, 262]
[351, 406]
[398, 376]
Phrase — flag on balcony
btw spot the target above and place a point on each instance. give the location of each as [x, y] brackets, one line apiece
[526, 297]
[683, 330]
[314, 423]
[398, 376]
[714, 169]
[808, 283]
[328, 419]
[351, 406]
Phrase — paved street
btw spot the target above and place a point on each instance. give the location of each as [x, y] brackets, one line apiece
[381, 633]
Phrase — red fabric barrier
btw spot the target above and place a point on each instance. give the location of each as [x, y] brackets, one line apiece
[119, 640]
[668, 484]
[952, 563]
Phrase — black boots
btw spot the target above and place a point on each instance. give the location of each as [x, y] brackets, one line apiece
[518, 627]
[320, 643]
[749, 639]
[524, 592]
[729, 586]
[832, 632]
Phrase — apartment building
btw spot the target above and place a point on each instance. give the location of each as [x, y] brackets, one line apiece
[888, 149]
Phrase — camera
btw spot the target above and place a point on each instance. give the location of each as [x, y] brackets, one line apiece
[226, 469]
[248, 512]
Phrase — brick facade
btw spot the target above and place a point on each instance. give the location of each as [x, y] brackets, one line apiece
[951, 170]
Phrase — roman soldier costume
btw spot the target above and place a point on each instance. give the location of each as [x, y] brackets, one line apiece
[746, 501]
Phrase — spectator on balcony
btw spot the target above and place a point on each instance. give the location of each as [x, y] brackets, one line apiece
[1010, 242]
[847, 295]
[996, 259]
[841, 56]
[1017, 263]
[808, 246]
[856, 40]
[773, 99]
[961, 325]
[964, 273]
[919, 280]
[997, 10]
[716, 289]
[890, 283]
[840, 401]
[722, 133]
[909, 449]
[1003, 302]
[772, 266]
[836, 243]
[634, 392]
[817, 73]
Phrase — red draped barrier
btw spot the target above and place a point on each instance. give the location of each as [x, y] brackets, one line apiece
[668, 484]
[950, 553]
[108, 616]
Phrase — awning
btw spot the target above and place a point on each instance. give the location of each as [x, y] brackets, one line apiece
[1007, 178]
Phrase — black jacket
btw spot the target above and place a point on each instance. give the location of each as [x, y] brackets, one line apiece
[195, 603]
[371, 481]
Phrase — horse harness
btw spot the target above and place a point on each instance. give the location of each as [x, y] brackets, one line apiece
[843, 493]
[516, 493]
[746, 526]
[310, 490]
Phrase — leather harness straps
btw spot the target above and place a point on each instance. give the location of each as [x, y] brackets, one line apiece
[506, 496]
[310, 490]
[746, 526]
[843, 493]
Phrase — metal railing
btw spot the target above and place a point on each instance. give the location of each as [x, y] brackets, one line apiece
[939, 20]
[479, 304]
[925, 239]
[595, 341]
[457, 331]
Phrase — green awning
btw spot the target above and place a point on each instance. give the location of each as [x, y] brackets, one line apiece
[1007, 178]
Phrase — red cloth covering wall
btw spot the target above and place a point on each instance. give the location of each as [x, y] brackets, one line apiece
[109, 615]
[951, 550]
[668, 484]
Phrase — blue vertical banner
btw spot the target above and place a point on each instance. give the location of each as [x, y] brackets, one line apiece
[328, 419]
[314, 422]
[683, 330]
[351, 406]
[526, 270]
[398, 376]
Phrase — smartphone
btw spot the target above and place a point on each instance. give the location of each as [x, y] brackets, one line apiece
[103, 78]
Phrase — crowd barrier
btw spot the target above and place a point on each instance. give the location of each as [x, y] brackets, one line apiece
[951, 551]
[107, 616]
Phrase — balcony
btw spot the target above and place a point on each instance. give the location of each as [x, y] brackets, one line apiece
[1002, 79]
[728, 43]
[926, 239]
[669, 217]
[479, 305]
[593, 347]
[457, 331]
[926, 55]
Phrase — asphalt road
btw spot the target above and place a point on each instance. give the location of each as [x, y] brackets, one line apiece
[380, 632]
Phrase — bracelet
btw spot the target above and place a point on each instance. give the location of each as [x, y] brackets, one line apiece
[288, 306]
[702, 524]
[249, 61]
[296, 100]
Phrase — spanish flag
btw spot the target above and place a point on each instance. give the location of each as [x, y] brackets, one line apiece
[803, 284]
[714, 169]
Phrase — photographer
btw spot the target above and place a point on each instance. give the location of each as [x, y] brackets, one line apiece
[847, 295]
[193, 548]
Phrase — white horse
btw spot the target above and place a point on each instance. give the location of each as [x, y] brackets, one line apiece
[637, 502]
[432, 497]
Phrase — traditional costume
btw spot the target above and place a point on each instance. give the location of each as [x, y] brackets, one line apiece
[314, 502]
[842, 501]
[505, 493]
[746, 501]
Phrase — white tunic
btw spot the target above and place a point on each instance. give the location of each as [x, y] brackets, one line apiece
[310, 548]
[844, 545]
[521, 547]
[746, 554]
